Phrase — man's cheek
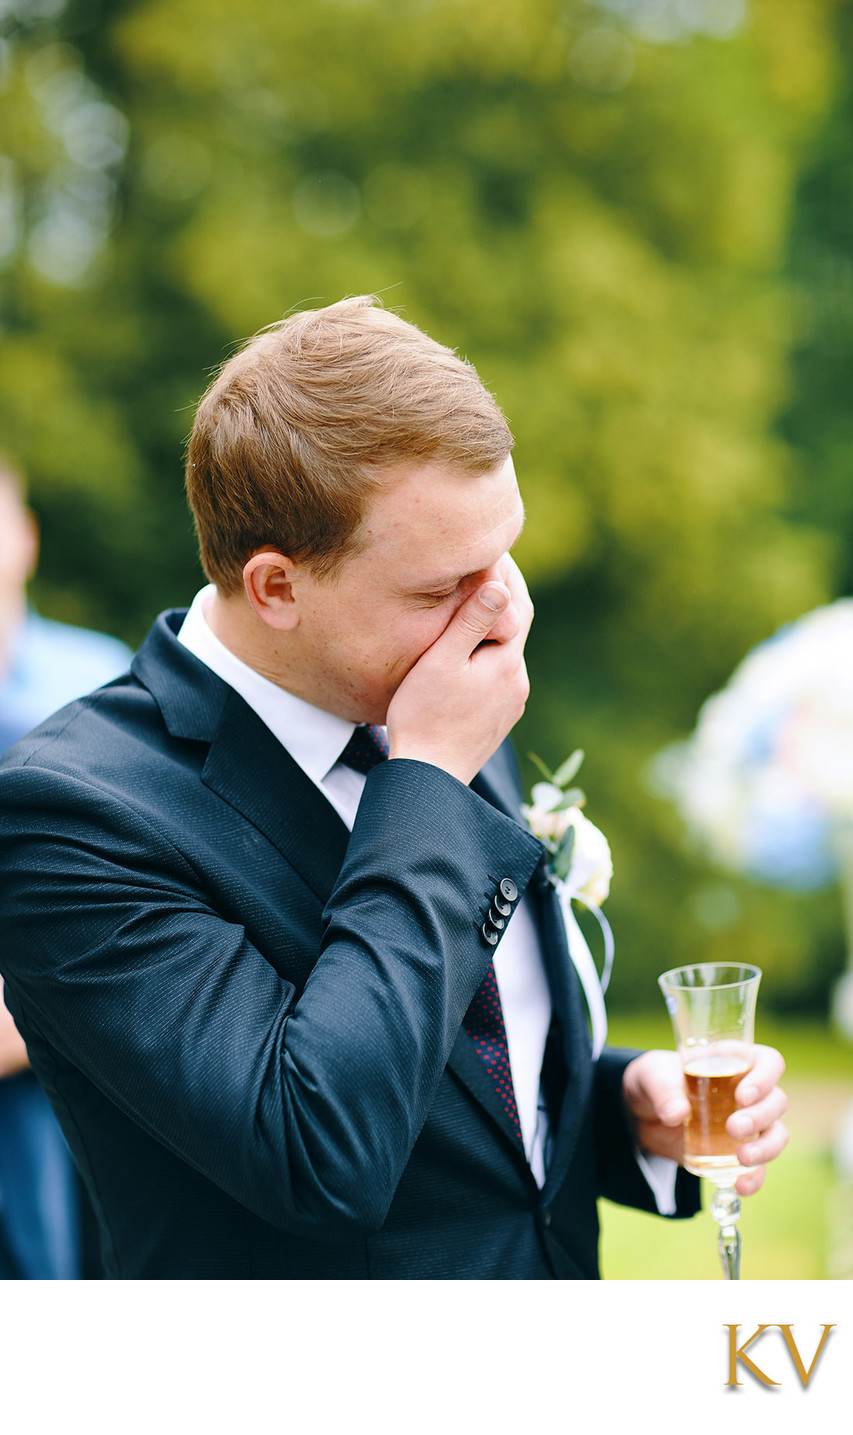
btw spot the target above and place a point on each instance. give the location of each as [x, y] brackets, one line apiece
[440, 620]
[420, 638]
[411, 649]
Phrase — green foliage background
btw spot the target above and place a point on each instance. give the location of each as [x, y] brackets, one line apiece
[635, 218]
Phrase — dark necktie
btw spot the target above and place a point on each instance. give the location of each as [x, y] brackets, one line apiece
[484, 1023]
[367, 746]
[484, 1019]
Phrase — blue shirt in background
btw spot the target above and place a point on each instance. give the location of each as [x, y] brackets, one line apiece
[40, 1235]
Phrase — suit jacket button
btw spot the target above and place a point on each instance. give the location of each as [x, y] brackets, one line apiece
[495, 920]
[508, 889]
[546, 1219]
[501, 905]
[489, 934]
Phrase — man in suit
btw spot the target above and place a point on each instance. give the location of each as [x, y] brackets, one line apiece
[304, 1010]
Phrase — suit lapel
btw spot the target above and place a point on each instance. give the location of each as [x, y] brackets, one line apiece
[249, 768]
[497, 784]
[466, 1063]
[569, 1008]
[494, 783]
[246, 765]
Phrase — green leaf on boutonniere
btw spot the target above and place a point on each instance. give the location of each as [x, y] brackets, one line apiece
[545, 771]
[573, 798]
[563, 856]
[566, 771]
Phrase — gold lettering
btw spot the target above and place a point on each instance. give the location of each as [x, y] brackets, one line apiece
[736, 1353]
[805, 1375]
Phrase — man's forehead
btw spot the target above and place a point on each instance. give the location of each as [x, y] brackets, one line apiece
[426, 578]
[442, 521]
[483, 553]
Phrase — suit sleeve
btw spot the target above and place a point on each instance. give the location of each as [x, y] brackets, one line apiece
[304, 1107]
[620, 1177]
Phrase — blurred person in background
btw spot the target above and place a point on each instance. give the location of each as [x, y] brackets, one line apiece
[43, 666]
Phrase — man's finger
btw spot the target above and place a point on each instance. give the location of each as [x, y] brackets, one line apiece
[476, 618]
[752, 1120]
[656, 1086]
[750, 1183]
[767, 1069]
[664, 1082]
[767, 1147]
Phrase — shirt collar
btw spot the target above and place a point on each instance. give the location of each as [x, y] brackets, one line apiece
[314, 738]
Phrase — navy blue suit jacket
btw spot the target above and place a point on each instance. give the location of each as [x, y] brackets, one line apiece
[249, 1021]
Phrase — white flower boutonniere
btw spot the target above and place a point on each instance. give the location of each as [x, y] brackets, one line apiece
[580, 869]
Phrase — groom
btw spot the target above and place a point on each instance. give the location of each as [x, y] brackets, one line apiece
[286, 961]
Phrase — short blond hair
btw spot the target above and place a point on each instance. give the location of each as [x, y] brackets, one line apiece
[300, 428]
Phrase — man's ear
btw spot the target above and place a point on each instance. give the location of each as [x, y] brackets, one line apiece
[268, 579]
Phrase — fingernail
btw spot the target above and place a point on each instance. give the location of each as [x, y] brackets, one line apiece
[747, 1095]
[674, 1111]
[749, 1154]
[493, 598]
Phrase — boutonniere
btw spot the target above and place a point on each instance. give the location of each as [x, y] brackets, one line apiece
[580, 869]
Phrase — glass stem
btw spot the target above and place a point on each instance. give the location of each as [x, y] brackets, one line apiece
[725, 1208]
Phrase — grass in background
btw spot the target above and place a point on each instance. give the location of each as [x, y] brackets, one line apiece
[800, 1225]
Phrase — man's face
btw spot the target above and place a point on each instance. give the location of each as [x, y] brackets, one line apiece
[432, 537]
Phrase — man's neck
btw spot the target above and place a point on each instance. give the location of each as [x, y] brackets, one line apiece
[232, 621]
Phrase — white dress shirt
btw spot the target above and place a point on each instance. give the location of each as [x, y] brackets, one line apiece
[315, 740]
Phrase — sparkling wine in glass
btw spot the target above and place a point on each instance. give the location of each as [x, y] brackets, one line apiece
[712, 1008]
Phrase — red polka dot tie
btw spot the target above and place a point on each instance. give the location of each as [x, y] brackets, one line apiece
[484, 1019]
[367, 746]
[484, 1023]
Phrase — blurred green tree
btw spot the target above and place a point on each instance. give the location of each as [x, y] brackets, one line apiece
[818, 421]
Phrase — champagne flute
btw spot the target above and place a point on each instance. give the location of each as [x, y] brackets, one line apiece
[712, 1008]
